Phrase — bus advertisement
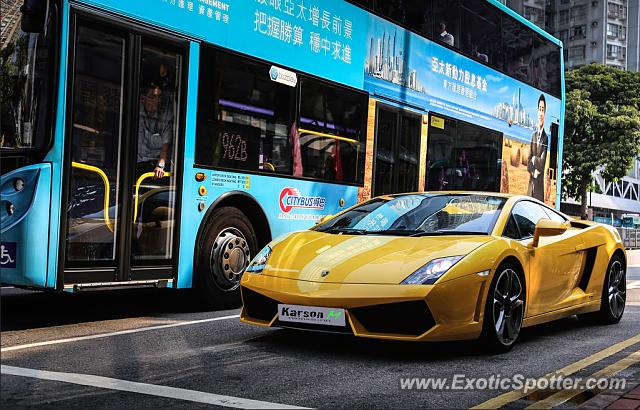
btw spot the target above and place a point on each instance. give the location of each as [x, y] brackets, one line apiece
[163, 143]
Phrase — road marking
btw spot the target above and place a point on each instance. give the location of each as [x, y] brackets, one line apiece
[563, 396]
[118, 333]
[144, 388]
[634, 285]
[514, 395]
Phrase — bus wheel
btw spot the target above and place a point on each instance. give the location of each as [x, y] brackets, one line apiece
[228, 244]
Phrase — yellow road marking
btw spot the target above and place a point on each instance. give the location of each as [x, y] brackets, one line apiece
[565, 395]
[514, 395]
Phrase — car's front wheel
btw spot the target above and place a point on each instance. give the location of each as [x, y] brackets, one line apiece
[504, 309]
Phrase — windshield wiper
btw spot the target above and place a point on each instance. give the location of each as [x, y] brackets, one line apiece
[441, 233]
[398, 232]
[349, 231]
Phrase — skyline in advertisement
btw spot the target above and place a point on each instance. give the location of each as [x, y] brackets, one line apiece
[404, 66]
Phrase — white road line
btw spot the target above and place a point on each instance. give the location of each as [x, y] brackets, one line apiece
[118, 333]
[634, 285]
[144, 388]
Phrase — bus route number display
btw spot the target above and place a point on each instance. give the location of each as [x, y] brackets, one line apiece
[238, 146]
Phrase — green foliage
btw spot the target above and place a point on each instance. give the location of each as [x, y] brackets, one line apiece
[602, 126]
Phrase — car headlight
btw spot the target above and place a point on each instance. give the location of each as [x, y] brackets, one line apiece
[432, 271]
[258, 263]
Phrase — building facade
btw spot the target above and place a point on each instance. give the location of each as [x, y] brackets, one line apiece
[593, 31]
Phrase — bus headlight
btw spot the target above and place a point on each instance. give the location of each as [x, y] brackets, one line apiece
[258, 263]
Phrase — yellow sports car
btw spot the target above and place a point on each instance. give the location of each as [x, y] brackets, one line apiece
[438, 266]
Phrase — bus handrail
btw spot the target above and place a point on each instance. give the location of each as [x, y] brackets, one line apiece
[107, 189]
[323, 134]
[138, 182]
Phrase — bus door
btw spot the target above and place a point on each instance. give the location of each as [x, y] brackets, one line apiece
[397, 150]
[123, 134]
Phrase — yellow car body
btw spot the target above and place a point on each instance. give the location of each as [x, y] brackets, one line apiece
[563, 275]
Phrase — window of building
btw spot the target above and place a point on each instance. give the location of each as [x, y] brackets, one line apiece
[462, 156]
[563, 35]
[330, 137]
[576, 52]
[615, 51]
[578, 32]
[564, 17]
[579, 12]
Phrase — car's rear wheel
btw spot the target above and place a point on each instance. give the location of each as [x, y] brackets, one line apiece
[504, 309]
[614, 294]
[228, 244]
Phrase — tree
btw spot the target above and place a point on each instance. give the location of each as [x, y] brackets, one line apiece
[602, 127]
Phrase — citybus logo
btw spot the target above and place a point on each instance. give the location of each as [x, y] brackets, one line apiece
[290, 198]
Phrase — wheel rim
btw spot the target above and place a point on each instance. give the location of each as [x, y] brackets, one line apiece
[508, 306]
[229, 257]
[617, 289]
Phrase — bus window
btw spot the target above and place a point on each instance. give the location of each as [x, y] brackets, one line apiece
[156, 173]
[396, 151]
[462, 156]
[414, 14]
[517, 40]
[446, 18]
[331, 133]
[95, 146]
[244, 118]
[481, 32]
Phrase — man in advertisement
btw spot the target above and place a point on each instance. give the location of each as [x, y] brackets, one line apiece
[538, 154]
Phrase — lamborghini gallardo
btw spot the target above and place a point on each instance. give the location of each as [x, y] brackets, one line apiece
[438, 266]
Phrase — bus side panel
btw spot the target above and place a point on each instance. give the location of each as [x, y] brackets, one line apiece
[25, 232]
[56, 154]
[190, 218]
[288, 204]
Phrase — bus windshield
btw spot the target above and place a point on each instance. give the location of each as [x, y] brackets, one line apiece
[25, 85]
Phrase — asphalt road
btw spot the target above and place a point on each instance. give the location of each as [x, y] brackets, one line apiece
[157, 350]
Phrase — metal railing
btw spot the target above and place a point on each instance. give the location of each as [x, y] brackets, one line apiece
[630, 237]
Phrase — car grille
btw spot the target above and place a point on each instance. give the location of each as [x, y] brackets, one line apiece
[406, 318]
[258, 306]
[320, 328]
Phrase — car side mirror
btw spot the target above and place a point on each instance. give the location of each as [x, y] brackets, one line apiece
[324, 219]
[548, 227]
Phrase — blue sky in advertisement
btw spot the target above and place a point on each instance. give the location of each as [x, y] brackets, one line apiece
[404, 66]
[323, 38]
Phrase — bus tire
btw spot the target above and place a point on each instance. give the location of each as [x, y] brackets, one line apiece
[226, 247]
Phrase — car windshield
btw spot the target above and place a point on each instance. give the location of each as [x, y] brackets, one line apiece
[419, 215]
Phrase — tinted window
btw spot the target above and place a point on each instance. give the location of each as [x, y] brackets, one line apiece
[480, 26]
[446, 23]
[415, 14]
[554, 216]
[462, 156]
[511, 229]
[397, 149]
[328, 142]
[526, 215]
[244, 118]
[518, 45]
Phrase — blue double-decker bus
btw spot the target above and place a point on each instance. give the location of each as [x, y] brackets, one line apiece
[164, 142]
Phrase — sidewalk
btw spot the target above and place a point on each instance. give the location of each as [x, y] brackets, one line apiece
[633, 258]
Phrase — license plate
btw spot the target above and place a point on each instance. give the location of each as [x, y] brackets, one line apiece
[311, 315]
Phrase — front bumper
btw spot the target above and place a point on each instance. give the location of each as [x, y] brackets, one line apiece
[450, 310]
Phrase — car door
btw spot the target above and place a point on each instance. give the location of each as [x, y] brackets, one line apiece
[554, 265]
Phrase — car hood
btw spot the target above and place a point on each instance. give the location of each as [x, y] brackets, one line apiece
[372, 259]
